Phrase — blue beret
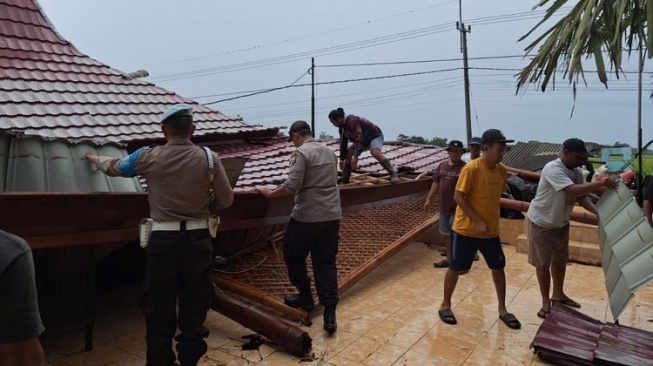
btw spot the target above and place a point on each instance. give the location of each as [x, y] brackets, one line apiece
[177, 110]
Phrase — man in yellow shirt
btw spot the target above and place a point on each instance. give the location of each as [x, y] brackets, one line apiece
[476, 225]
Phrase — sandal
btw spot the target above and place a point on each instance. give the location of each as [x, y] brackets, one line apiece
[441, 264]
[569, 302]
[542, 313]
[447, 316]
[510, 320]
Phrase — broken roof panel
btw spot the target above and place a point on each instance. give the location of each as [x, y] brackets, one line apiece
[531, 156]
[50, 89]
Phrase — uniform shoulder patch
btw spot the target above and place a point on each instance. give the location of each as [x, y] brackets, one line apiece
[293, 158]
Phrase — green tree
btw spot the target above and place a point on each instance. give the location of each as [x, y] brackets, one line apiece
[325, 136]
[590, 29]
[438, 141]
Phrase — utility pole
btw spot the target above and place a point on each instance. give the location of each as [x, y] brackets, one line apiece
[312, 71]
[463, 48]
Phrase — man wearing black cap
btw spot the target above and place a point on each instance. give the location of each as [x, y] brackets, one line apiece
[476, 225]
[474, 150]
[314, 223]
[445, 178]
[561, 186]
[179, 256]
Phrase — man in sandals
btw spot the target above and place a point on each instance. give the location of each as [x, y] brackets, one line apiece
[561, 187]
[476, 225]
[445, 178]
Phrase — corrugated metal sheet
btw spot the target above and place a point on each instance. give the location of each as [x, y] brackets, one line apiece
[34, 164]
[626, 242]
[568, 337]
[531, 156]
[50, 89]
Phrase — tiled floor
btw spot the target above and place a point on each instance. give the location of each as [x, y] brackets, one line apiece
[388, 318]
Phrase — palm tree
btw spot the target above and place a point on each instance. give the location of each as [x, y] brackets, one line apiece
[590, 29]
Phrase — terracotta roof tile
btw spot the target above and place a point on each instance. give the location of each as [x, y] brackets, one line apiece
[49, 88]
[268, 160]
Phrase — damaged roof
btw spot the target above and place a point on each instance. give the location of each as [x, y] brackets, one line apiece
[531, 156]
[50, 89]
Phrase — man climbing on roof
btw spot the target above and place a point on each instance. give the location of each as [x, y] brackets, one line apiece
[363, 135]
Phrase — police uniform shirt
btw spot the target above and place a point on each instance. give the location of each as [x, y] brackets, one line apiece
[312, 178]
[178, 179]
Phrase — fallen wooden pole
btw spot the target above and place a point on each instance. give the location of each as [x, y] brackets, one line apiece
[291, 338]
[262, 298]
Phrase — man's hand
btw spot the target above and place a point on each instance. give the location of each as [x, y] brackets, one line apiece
[427, 203]
[609, 183]
[354, 163]
[265, 191]
[91, 157]
[481, 228]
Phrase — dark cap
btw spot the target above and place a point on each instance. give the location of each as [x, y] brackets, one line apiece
[475, 141]
[576, 146]
[455, 144]
[494, 135]
[298, 126]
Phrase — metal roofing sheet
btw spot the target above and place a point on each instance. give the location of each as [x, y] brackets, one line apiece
[50, 89]
[626, 243]
[531, 156]
[36, 164]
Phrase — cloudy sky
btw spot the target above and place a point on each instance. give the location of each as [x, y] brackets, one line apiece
[407, 54]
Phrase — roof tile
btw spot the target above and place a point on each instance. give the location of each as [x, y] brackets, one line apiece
[49, 88]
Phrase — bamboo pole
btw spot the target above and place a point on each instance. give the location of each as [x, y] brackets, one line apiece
[263, 299]
[521, 206]
[291, 338]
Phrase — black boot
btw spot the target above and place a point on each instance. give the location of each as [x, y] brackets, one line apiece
[346, 174]
[330, 324]
[393, 175]
[303, 300]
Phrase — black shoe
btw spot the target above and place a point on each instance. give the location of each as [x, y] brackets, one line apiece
[298, 301]
[330, 324]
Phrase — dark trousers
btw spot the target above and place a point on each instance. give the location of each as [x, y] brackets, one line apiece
[178, 268]
[320, 239]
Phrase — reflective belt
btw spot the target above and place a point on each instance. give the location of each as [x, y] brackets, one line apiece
[179, 225]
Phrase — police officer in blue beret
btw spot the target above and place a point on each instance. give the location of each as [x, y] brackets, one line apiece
[180, 176]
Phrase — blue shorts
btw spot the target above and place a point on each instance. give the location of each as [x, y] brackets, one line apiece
[446, 222]
[463, 249]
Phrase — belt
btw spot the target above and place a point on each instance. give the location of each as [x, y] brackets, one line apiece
[180, 225]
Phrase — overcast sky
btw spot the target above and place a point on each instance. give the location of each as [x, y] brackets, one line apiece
[213, 50]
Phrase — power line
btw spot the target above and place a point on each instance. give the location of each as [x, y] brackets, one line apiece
[396, 37]
[423, 61]
[334, 82]
[244, 49]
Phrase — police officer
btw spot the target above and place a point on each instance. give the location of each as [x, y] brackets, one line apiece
[314, 222]
[179, 178]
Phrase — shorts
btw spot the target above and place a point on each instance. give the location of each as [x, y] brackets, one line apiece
[547, 246]
[446, 222]
[376, 143]
[463, 249]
